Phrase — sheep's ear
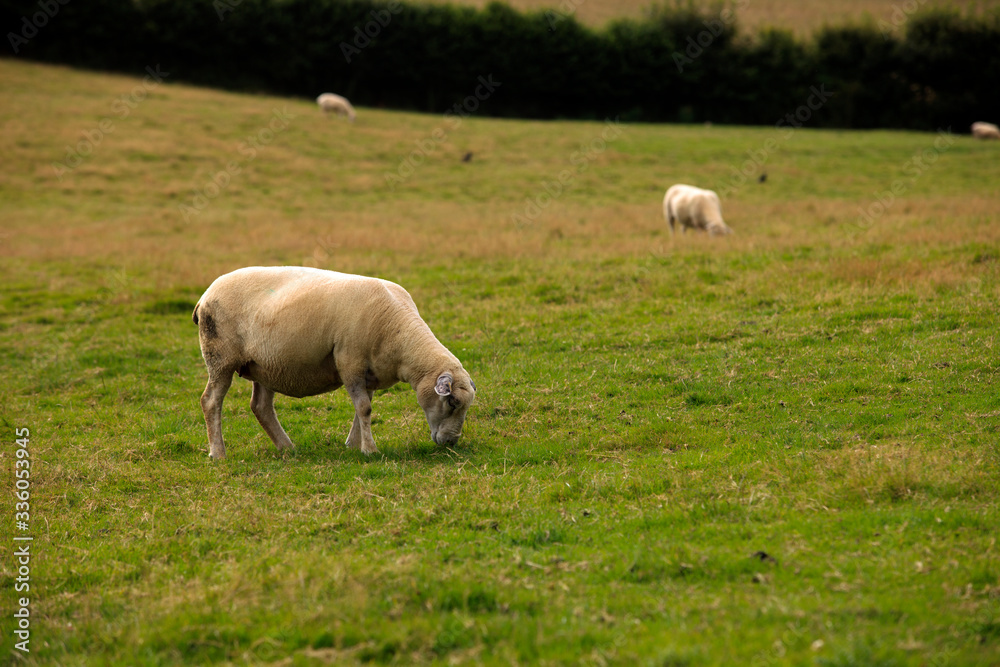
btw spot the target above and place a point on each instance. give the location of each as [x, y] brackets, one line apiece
[443, 386]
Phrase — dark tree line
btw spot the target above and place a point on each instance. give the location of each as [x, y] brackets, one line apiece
[680, 64]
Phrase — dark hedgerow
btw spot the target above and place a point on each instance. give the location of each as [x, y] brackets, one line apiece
[679, 64]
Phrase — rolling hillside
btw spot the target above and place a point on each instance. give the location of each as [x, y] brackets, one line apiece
[774, 448]
[800, 17]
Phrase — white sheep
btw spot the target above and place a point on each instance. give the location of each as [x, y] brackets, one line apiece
[331, 103]
[301, 332]
[982, 130]
[695, 208]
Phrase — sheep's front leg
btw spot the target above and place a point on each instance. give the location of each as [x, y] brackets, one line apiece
[211, 405]
[262, 405]
[360, 436]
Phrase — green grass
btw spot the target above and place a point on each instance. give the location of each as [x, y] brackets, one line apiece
[652, 412]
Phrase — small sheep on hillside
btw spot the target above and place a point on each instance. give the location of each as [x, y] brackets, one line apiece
[695, 208]
[331, 103]
[301, 332]
[982, 130]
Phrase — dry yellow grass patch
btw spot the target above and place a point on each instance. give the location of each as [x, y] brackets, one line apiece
[317, 194]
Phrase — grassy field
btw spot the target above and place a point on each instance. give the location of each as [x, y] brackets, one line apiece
[800, 16]
[774, 448]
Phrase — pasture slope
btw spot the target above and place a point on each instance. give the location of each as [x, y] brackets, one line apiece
[802, 17]
[774, 448]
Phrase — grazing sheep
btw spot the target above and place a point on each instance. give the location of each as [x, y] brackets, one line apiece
[695, 208]
[331, 103]
[985, 131]
[301, 332]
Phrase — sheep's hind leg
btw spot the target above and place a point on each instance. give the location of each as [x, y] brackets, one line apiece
[211, 404]
[360, 436]
[262, 405]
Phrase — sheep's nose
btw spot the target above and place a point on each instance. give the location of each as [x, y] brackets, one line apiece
[443, 440]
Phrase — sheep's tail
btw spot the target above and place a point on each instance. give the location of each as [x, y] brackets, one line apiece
[194, 315]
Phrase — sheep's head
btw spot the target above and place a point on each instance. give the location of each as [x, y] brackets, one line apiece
[719, 229]
[446, 403]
